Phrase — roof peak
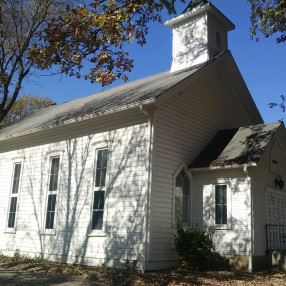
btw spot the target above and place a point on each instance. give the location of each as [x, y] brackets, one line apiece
[194, 4]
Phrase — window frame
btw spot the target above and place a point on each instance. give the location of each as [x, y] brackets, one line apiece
[221, 204]
[99, 232]
[13, 195]
[190, 209]
[227, 183]
[49, 192]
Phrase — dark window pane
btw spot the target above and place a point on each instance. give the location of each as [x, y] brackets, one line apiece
[185, 208]
[182, 174]
[101, 165]
[51, 203]
[12, 212]
[98, 202]
[50, 220]
[11, 220]
[99, 159]
[179, 182]
[101, 200]
[218, 214]
[55, 165]
[16, 178]
[97, 220]
[224, 214]
[221, 204]
[186, 186]
[54, 174]
[104, 158]
[97, 179]
[51, 211]
[218, 195]
[13, 205]
[224, 198]
[103, 176]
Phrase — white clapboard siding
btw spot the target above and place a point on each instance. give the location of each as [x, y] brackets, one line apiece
[263, 179]
[184, 126]
[126, 134]
[235, 238]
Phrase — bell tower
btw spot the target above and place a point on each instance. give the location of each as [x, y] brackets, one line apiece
[199, 33]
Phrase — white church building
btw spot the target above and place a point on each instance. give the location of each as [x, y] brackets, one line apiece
[103, 178]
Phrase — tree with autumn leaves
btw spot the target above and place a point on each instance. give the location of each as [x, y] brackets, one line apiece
[269, 18]
[24, 106]
[66, 34]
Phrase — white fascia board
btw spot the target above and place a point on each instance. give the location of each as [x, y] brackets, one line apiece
[200, 10]
[213, 168]
[186, 16]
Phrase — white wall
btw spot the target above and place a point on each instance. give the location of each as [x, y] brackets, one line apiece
[185, 124]
[190, 45]
[126, 196]
[233, 238]
[263, 177]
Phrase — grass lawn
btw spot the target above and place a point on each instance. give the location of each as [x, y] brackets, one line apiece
[128, 276]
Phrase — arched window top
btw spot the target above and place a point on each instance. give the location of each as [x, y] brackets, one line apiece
[182, 196]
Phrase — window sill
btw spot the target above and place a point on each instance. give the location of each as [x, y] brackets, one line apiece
[221, 227]
[49, 233]
[12, 231]
[97, 234]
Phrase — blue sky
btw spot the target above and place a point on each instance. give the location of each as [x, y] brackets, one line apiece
[262, 64]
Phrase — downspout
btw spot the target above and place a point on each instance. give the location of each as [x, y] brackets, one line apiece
[149, 188]
[250, 219]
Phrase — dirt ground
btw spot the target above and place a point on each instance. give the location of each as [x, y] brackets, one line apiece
[14, 277]
[23, 271]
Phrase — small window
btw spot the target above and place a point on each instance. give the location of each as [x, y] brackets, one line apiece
[182, 194]
[14, 195]
[52, 196]
[221, 204]
[99, 193]
[218, 38]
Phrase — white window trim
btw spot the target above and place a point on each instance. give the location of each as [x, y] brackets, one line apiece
[99, 232]
[227, 182]
[190, 209]
[50, 155]
[15, 161]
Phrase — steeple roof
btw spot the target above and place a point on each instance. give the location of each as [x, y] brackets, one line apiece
[194, 4]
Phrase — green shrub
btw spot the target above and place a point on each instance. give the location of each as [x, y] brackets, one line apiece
[194, 247]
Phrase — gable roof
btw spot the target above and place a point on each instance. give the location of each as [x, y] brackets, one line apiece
[136, 93]
[236, 147]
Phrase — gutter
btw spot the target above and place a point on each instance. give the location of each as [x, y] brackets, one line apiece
[149, 189]
[211, 168]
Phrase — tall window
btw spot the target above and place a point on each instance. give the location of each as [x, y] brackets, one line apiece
[221, 204]
[52, 196]
[99, 193]
[182, 195]
[14, 195]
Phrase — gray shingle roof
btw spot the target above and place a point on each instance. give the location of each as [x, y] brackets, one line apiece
[129, 95]
[240, 146]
